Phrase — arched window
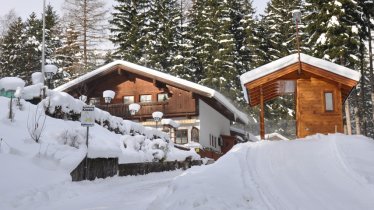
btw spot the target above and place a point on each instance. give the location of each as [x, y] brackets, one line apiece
[195, 134]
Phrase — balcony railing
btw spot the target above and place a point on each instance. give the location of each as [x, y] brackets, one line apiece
[146, 110]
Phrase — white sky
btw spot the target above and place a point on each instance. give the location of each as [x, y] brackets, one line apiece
[25, 7]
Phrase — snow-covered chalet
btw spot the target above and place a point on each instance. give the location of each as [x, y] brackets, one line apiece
[320, 89]
[191, 112]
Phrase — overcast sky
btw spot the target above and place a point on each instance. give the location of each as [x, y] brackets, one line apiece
[24, 7]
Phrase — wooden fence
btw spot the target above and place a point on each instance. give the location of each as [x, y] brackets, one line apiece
[108, 167]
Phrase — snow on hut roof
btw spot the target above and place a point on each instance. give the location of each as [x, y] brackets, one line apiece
[291, 59]
[166, 77]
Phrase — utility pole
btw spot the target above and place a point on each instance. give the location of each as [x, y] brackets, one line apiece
[43, 43]
[296, 16]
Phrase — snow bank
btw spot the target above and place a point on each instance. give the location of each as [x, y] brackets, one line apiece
[319, 172]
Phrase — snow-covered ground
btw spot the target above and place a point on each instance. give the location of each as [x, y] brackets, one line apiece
[320, 172]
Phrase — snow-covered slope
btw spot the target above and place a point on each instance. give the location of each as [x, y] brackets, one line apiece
[320, 172]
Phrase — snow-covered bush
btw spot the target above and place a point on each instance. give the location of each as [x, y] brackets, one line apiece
[72, 137]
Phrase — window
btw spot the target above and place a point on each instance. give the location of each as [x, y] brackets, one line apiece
[128, 99]
[181, 136]
[145, 98]
[162, 97]
[195, 134]
[329, 102]
[94, 101]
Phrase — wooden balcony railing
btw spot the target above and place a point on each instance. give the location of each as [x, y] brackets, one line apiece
[146, 110]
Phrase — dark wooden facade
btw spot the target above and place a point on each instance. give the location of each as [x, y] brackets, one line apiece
[179, 103]
[310, 86]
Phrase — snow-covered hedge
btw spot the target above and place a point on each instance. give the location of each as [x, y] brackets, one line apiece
[63, 105]
[139, 143]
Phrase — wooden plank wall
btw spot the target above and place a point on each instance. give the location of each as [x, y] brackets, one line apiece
[311, 115]
[180, 102]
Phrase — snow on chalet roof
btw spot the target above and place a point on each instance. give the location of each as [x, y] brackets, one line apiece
[147, 71]
[291, 59]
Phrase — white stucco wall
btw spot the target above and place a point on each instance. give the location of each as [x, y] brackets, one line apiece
[211, 122]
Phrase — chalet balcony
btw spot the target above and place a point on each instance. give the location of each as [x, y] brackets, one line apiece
[146, 110]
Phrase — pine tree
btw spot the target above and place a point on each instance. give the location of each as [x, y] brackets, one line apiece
[223, 72]
[31, 54]
[262, 42]
[202, 35]
[129, 26]
[69, 55]
[11, 61]
[334, 31]
[182, 46]
[278, 16]
[163, 29]
[52, 34]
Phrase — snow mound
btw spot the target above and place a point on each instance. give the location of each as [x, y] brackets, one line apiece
[11, 83]
[319, 172]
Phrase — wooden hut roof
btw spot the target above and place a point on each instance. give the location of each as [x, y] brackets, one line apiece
[272, 76]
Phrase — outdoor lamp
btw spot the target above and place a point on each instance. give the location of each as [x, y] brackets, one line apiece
[134, 108]
[108, 95]
[49, 71]
[296, 16]
[157, 116]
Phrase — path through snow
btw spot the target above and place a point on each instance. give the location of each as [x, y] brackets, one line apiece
[103, 194]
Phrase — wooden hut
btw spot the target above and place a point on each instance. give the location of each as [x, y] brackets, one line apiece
[320, 89]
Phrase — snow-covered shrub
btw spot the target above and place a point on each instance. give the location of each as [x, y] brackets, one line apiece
[159, 149]
[73, 138]
[33, 91]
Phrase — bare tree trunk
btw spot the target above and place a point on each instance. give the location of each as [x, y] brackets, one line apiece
[371, 69]
[357, 117]
[362, 113]
[347, 112]
[348, 117]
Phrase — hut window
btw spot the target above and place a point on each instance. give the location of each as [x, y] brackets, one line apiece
[329, 102]
[145, 98]
[94, 101]
[181, 136]
[162, 97]
[128, 99]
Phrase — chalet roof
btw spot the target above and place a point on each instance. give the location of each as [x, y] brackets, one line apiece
[279, 64]
[167, 78]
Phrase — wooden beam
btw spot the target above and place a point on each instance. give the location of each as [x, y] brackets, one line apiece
[266, 98]
[272, 76]
[262, 115]
[326, 74]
